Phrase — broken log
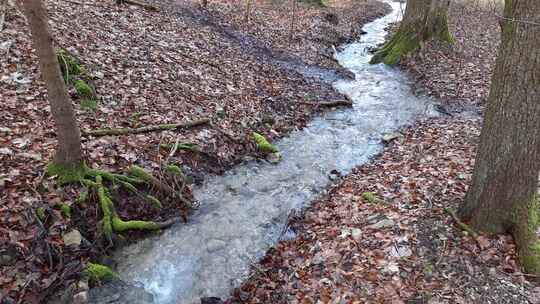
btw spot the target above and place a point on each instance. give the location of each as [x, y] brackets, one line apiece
[147, 129]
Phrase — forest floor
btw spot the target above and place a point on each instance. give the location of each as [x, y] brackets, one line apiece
[179, 64]
[384, 233]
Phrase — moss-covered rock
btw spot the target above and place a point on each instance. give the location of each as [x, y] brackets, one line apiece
[263, 145]
[372, 198]
[65, 208]
[98, 273]
[83, 89]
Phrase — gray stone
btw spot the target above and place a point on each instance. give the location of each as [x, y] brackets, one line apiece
[81, 298]
[72, 238]
[119, 292]
[382, 224]
[400, 251]
[215, 245]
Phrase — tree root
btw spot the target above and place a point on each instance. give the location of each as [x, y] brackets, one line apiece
[163, 187]
[147, 129]
[113, 223]
[92, 180]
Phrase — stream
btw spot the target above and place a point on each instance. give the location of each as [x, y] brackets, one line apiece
[244, 212]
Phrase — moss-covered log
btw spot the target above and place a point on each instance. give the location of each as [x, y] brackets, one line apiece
[147, 129]
[423, 20]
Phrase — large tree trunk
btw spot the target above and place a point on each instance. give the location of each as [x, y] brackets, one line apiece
[503, 194]
[423, 20]
[69, 151]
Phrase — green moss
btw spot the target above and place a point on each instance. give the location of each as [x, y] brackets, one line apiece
[263, 145]
[372, 198]
[67, 174]
[40, 213]
[140, 173]
[84, 90]
[120, 226]
[128, 186]
[83, 196]
[318, 3]
[175, 170]
[105, 204]
[89, 104]
[97, 273]
[154, 201]
[530, 259]
[65, 208]
[401, 44]
[69, 65]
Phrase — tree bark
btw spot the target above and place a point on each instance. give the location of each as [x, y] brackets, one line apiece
[69, 151]
[423, 20]
[503, 194]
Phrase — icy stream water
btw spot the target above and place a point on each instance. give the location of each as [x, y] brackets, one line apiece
[244, 212]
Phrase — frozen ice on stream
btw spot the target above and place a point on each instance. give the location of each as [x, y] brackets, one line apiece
[244, 211]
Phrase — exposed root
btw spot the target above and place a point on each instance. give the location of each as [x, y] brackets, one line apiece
[147, 129]
[156, 183]
[113, 223]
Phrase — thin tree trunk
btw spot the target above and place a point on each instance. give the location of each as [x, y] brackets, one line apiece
[69, 151]
[503, 194]
[423, 20]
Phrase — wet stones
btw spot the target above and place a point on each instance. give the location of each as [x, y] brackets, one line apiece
[214, 245]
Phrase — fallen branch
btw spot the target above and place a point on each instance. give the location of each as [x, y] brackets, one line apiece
[334, 103]
[147, 129]
[141, 4]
